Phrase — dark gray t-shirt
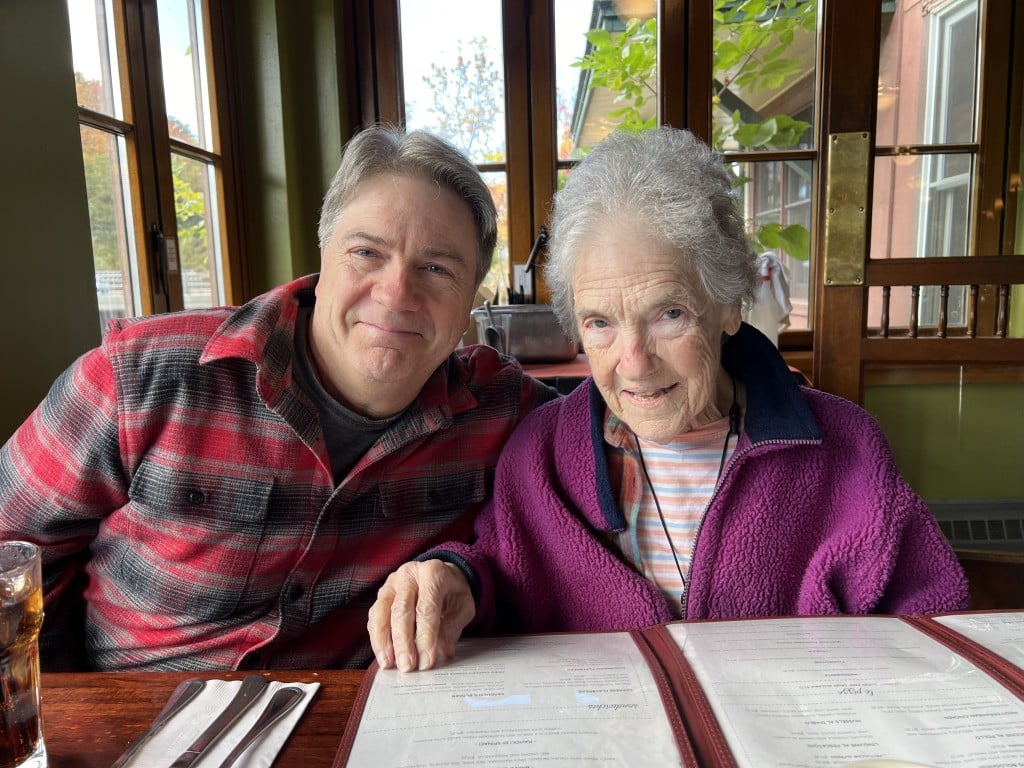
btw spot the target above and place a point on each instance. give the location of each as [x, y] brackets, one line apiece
[347, 434]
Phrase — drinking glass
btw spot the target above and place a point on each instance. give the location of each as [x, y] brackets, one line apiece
[21, 615]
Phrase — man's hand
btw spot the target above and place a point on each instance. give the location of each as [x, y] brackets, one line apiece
[420, 612]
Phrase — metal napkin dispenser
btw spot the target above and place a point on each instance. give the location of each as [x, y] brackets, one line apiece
[530, 332]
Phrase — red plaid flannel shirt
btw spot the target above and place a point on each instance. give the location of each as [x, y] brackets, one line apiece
[178, 479]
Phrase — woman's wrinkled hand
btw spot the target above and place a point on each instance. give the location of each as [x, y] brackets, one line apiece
[419, 615]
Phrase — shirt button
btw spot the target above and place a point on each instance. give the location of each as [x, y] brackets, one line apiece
[196, 497]
[295, 592]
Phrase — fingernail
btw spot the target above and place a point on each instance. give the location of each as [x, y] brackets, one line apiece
[405, 662]
[425, 661]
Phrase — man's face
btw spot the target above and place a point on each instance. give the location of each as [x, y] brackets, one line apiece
[397, 283]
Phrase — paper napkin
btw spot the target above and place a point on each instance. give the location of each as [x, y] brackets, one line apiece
[183, 729]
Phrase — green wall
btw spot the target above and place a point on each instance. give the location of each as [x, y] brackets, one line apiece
[291, 113]
[293, 101]
[955, 442]
[47, 294]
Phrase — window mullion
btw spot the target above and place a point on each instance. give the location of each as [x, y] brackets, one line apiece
[163, 239]
[673, 67]
[1001, 66]
[543, 139]
[146, 196]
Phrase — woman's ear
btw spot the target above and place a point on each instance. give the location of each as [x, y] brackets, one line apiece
[731, 319]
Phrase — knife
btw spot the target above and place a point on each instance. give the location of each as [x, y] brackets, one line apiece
[250, 689]
[181, 696]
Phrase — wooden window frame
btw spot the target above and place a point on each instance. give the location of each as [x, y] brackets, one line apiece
[144, 129]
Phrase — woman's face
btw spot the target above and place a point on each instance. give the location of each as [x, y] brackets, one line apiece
[652, 337]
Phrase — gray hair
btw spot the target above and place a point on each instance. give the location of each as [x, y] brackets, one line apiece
[674, 184]
[381, 149]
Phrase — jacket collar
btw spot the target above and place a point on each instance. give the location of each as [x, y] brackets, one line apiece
[776, 410]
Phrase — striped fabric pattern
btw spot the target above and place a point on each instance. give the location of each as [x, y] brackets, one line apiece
[683, 474]
[178, 480]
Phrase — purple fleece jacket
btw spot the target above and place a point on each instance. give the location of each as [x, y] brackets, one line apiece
[811, 516]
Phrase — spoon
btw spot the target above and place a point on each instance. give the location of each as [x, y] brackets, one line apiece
[280, 704]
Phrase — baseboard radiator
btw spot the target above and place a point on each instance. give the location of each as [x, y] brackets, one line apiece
[982, 523]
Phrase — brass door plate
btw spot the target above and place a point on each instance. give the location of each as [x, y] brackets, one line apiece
[846, 200]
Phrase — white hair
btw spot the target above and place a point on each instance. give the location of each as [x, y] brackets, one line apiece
[674, 185]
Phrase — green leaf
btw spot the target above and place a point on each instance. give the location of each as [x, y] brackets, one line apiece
[756, 134]
[793, 239]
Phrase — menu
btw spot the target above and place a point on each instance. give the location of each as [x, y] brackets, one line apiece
[795, 692]
[551, 700]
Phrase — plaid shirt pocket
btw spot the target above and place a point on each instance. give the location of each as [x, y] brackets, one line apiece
[442, 496]
[188, 542]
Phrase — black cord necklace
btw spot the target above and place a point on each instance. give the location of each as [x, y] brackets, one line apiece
[734, 429]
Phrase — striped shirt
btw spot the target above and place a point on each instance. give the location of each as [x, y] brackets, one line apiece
[683, 475]
[179, 484]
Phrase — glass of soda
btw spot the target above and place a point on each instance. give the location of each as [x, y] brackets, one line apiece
[21, 616]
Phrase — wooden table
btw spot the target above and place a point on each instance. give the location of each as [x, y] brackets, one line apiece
[564, 377]
[90, 718]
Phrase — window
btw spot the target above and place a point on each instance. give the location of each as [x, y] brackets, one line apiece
[529, 94]
[749, 77]
[151, 143]
[925, 182]
[454, 87]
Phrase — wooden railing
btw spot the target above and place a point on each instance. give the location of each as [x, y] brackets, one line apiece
[984, 336]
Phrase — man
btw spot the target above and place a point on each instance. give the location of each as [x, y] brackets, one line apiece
[227, 488]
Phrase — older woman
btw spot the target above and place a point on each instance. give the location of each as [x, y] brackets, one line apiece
[690, 476]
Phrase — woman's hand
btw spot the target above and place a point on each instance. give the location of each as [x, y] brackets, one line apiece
[420, 612]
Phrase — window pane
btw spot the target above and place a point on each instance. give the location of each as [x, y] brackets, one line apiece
[573, 18]
[93, 53]
[776, 202]
[762, 93]
[497, 279]
[183, 57]
[452, 65]
[113, 247]
[921, 206]
[607, 77]
[927, 89]
[198, 243]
